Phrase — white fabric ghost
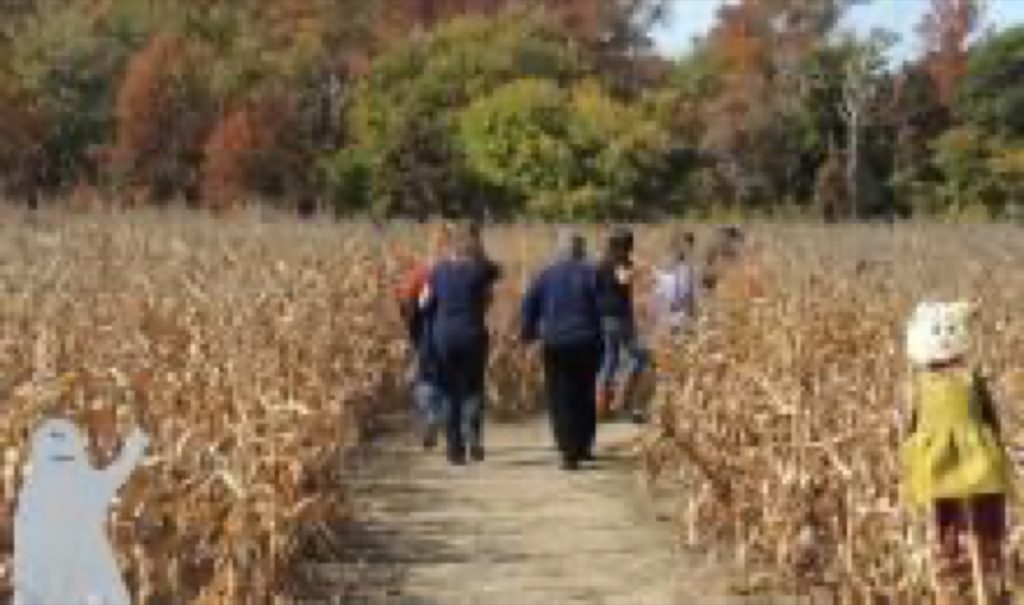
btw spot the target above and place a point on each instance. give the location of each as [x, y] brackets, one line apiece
[938, 332]
[61, 551]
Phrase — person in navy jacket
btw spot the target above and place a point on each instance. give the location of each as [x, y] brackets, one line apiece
[561, 309]
[456, 301]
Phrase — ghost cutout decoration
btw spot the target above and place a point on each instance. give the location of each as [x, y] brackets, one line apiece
[938, 333]
[61, 551]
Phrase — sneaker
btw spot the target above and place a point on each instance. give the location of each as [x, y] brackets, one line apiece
[477, 453]
[570, 464]
[457, 458]
[430, 436]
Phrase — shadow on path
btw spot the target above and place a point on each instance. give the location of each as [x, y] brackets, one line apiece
[512, 530]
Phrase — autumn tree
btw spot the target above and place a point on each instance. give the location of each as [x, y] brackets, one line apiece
[787, 88]
[946, 31]
[754, 119]
[615, 25]
[915, 117]
[161, 116]
[228, 156]
[66, 59]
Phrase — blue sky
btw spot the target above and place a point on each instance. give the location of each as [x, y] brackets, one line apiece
[693, 17]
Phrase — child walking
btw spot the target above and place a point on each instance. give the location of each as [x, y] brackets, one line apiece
[615, 279]
[955, 466]
[426, 387]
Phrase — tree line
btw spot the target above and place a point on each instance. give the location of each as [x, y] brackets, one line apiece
[551, 109]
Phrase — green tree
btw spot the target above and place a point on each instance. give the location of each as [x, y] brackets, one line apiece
[964, 158]
[992, 94]
[517, 139]
[565, 154]
[403, 112]
[623, 153]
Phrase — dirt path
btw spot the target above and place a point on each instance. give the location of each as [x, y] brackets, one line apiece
[514, 530]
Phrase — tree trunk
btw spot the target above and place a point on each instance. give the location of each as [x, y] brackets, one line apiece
[853, 165]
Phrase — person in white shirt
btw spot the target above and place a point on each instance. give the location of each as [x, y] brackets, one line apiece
[673, 288]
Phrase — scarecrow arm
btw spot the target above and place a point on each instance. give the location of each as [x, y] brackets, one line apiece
[985, 403]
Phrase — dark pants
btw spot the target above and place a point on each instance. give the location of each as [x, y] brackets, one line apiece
[462, 370]
[986, 514]
[570, 379]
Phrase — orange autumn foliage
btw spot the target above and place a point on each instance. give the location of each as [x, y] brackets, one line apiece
[946, 30]
[228, 156]
[736, 37]
[157, 123]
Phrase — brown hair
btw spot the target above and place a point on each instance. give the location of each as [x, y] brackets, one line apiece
[466, 240]
[680, 245]
[441, 239]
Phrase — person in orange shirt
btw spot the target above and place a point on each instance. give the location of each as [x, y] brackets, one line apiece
[427, 394]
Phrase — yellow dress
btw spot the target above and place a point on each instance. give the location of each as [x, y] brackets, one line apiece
[953, 452]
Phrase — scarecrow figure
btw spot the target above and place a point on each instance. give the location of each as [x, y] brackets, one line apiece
[955, 465]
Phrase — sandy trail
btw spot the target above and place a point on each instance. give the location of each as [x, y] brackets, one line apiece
[513, 530]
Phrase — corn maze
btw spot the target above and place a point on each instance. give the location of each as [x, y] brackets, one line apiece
[250, 352]
[778, 417]
[254, 351]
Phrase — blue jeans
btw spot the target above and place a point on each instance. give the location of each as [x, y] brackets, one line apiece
[618, 339]
[429, 402]
[462, 382]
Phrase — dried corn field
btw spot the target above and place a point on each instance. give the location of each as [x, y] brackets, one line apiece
[778, 417]
[250, 351]
[254, 351]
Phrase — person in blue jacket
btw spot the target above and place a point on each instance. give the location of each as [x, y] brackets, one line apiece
[561, 309]
[456, 301]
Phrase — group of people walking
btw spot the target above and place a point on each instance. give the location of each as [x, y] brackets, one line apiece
[582, 314]
[584, 317]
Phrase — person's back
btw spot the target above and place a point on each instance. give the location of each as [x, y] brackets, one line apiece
[561, 308]
[563, 304]
[461, 290]
[456, 300]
